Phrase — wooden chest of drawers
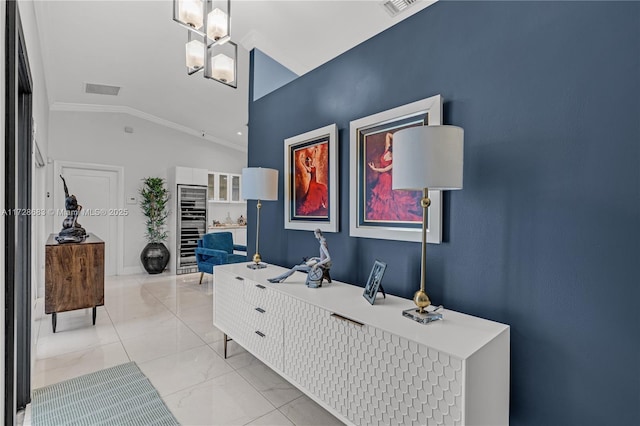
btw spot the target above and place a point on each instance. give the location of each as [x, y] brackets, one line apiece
[74, 276]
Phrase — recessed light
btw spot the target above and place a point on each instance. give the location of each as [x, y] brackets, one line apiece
[239, 133]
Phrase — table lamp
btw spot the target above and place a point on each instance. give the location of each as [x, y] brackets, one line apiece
[427, 157]
[262, 185]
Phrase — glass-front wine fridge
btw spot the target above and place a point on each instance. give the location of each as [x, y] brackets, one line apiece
[192, 225]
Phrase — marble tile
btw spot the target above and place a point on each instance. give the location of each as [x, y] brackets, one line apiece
[225, 400]
[200, 320]
[74, 320]
[304, 411]
[270, 384]
[141, 324]
[76, 339]
[186, 300]
[179, 371]
[160, 342]
[121, 282]
[73, 364]
[122, 301]
[237, 356]
[165, 323]
[274, 418]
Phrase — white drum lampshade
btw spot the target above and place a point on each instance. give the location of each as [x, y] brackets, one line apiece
[428, 157]
[259, 184]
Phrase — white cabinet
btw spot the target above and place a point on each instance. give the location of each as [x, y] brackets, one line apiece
[224, 187]
[316, 353]
[367, 364]
[188, 176]
[251, 315]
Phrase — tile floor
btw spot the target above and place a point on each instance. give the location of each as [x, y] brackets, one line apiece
[164, 324]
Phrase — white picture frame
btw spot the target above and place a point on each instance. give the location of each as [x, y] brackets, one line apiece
[303, 209]
[428, 110]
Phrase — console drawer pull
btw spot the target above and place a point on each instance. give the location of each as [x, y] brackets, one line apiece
[262, 311]
[260, 334]
[260, 286]
[354, 322]
[239, 278]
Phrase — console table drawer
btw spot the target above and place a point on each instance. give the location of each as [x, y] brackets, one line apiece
[259, 296]
[269, 347]
[259, 319]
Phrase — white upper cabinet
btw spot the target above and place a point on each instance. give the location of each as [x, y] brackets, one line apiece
[224, 187]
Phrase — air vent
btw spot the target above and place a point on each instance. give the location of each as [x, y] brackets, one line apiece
[101, 89]
[393, 7]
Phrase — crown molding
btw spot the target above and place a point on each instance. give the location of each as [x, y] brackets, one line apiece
[76, 107]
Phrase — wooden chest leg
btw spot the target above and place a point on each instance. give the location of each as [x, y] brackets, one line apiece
[95, 312]
[54, 320]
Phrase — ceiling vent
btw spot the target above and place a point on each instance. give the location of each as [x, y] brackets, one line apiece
[394, 7]
[101, 89]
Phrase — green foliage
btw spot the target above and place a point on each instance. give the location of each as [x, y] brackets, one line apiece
[154, 199]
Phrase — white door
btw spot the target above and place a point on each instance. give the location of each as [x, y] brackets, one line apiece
[97, 192]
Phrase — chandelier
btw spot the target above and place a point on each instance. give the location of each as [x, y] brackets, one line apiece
[209, 47]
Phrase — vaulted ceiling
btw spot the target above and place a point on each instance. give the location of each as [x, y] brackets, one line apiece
[136, 45]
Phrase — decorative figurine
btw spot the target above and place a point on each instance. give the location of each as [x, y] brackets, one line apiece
[242, 221]
[316, 267]
[72, 231]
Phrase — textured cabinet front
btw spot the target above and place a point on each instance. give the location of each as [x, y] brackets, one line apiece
[239, 313]
[266, 327]
[395, 381]
[316, 353]
[229, 303]
[368, 365]
[261, 297]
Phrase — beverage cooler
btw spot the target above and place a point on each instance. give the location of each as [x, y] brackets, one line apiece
[191, 225]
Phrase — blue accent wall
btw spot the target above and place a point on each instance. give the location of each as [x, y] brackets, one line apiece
[268, 74]
[545, 235]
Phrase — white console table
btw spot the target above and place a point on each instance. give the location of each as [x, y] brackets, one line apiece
[367, 364]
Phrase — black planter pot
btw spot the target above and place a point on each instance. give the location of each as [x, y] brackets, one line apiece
[154, 257]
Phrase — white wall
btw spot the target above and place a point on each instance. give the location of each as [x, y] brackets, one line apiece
[99, 138]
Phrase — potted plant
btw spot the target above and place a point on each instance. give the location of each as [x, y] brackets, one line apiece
[154, 198]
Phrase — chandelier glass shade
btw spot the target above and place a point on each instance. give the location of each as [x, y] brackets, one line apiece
[209, 46]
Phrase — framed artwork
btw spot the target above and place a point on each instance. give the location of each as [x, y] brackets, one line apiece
[311, 180]
[376, 210]
[374, 282]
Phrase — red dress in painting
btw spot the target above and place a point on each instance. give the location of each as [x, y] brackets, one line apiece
[386, 204]
[314, 202]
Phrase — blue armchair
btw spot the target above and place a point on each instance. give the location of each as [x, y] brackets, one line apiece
[217, 249]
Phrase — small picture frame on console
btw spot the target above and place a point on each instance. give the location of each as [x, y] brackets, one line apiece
[374, 282]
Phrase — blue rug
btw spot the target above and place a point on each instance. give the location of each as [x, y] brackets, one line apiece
[120, 395]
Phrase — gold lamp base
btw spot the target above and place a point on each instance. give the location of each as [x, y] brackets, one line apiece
[257, 262]
[422, 316]
[420, 297]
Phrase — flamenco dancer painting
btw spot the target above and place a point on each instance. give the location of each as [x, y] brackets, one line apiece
[311, 179]
[383, 204]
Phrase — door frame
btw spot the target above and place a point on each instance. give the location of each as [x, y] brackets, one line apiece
[18, 85]
[57, 190]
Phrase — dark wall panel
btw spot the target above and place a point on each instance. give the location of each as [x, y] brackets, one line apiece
[545, 235]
